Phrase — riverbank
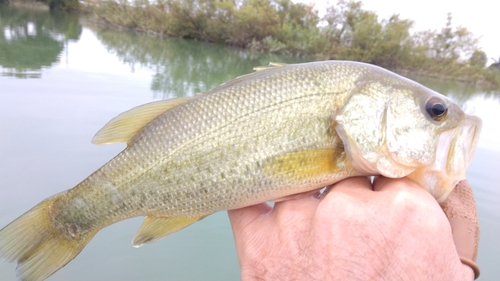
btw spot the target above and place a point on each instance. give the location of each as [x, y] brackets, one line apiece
[32, 5]
[347, 32]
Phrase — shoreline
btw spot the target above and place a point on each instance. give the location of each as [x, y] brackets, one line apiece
[296, 33]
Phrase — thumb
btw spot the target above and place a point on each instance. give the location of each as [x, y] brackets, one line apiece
[460, 208]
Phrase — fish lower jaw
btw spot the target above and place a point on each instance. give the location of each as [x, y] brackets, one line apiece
[434, 182]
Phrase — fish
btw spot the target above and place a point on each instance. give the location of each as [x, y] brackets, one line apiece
[282, 130]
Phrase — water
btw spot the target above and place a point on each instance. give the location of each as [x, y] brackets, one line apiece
[62, 79]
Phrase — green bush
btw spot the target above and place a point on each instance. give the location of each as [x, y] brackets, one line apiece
[62, 4]
[346, 32]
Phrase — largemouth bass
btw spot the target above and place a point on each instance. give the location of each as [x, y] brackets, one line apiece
[283, 130]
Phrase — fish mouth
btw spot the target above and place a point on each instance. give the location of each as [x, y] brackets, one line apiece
[454, 153]
[463, 146]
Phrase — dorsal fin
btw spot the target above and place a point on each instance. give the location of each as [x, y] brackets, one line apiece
[123, 127]
[272, 65]
[258, 73]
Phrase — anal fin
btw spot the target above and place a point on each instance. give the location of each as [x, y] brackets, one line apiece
[155, 228]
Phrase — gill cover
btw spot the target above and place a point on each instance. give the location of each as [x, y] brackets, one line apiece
[385, 131]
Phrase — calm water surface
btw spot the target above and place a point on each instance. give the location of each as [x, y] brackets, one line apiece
[61, 81]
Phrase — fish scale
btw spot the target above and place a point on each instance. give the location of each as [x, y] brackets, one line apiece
[266, 136]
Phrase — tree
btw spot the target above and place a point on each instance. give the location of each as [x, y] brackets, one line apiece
[453, 44]
[478, 59]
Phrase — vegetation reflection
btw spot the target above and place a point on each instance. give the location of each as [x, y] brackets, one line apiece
[32, 39]
[183, 67]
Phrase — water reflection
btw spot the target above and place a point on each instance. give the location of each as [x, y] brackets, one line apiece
[182, 67]
[185, 67]
[33, 39]
[459, 91]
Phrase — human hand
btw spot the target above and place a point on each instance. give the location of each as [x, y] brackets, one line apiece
[460, 208]
[393, 230]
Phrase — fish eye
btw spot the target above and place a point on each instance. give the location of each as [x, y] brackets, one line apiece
[436, 108]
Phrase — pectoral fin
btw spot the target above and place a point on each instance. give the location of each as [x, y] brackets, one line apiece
[123, 127]
[154, 228]
[304, 164]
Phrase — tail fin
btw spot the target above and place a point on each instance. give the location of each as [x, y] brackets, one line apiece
[39, 248]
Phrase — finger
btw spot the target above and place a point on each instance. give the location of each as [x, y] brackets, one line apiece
[351, 191]
[313, 194]
[460, 208]
[381, 183]
[244, 216]
[352, 186]
[325, 192]
[300, 203]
